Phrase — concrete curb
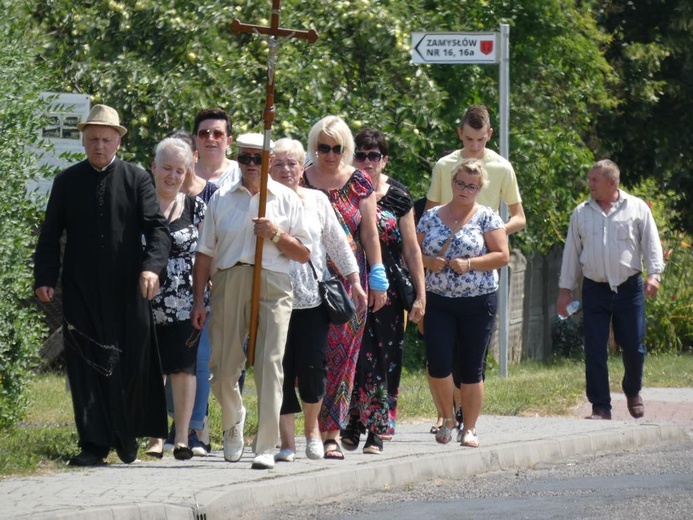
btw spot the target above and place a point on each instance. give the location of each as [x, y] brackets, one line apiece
[416, 468]
[209, 488]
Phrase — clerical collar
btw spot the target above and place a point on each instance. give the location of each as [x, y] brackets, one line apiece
[105, 167]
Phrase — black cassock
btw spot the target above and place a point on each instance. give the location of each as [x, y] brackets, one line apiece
[110, 347]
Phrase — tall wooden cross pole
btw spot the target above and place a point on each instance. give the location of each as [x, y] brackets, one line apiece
[272, 35]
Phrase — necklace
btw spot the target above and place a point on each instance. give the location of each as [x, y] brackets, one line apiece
[461, 218]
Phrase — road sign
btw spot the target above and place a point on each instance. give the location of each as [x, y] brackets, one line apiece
[447, 47]
[489, 47]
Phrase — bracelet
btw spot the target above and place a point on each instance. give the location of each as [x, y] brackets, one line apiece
[377, 278]
[469, 264]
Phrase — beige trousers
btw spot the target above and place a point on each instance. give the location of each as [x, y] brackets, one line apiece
[228, 327]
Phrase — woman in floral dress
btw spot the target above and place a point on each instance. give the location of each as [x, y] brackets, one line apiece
[331, 147]
[178, 340]
[379, 367]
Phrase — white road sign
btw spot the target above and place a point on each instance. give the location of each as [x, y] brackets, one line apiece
[447, 47]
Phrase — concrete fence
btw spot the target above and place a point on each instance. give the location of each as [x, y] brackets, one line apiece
[531, 306]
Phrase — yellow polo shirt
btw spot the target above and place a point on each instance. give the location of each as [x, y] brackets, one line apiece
[502, 180]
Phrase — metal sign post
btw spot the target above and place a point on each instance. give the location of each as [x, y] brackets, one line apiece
[449, 48]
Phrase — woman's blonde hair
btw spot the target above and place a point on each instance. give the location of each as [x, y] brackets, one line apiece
[337, 129]
[473, 167]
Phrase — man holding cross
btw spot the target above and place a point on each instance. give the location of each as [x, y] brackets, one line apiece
[228, 239]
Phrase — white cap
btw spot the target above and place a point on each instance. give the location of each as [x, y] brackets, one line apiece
[252, 141]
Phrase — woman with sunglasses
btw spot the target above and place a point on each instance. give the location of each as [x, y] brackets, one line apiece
[212, 131]
[379, 367]
[463, 245]
[304, 357]
[331, 147]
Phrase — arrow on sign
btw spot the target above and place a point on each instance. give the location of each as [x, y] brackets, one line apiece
[439, 47]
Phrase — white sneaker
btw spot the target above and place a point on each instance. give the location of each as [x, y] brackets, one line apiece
[263, 461]
[233, 440]
[285, 455]
[314, 449]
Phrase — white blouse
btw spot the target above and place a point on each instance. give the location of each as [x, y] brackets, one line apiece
[328, 238]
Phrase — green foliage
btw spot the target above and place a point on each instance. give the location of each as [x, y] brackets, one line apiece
[669, 324]
[567, 338]
[414, 350]
[20, 327]
[651, 49]
[158, 63]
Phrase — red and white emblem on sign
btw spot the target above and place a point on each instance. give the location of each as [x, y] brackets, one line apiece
[486, 46]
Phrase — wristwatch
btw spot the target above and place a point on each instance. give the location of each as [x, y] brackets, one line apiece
[276, 236]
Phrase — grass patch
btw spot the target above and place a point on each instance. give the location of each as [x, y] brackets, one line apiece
[46, 439]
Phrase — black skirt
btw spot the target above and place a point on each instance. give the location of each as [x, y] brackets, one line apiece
[178, 347]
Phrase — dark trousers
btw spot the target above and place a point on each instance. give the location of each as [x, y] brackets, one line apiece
[305, 361]
[457, 335]
[626, 309]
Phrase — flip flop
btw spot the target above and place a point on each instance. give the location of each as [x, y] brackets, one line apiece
[332, 450]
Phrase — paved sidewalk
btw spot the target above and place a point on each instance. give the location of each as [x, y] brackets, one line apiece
[210, 488]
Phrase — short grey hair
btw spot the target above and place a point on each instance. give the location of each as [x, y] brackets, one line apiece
[609, 169]
[176, 146]
[290, 146]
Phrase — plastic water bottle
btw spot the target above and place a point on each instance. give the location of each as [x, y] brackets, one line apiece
[571, 308]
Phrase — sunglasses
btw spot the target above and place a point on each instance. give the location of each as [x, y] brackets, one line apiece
[325, 148]
[246, 158]
[471, 188]
[206, 134]
[371, 156]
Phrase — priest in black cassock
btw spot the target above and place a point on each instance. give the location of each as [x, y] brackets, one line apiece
[116, 246]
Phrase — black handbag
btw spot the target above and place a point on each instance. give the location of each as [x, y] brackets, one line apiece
[401, 279]
[335, 299]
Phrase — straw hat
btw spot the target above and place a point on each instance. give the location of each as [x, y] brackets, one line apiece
[103, 115]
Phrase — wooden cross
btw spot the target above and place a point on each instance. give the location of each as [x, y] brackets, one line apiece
[273, 33]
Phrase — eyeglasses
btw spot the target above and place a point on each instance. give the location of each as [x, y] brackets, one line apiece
[246, 158]
[371, 156]
[325, 148]
[471, 188]
[205, 134]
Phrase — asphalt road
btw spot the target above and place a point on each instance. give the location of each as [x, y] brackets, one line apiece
[648, 483]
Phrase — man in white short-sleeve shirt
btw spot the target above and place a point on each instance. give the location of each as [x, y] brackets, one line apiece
[228, 240]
